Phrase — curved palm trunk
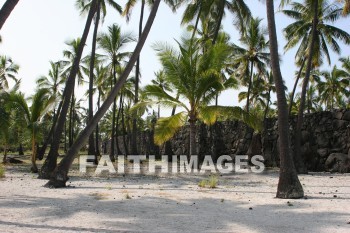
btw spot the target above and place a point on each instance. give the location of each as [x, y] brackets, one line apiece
[288, 185]
[117, 127]
[71, 121]
[295, 87]
[301, 168]
[60, 175]
[97, 131]
[6, 10]
[137, 80]
[267, 104]
[196, 24]
[92, 150]
[69, 87]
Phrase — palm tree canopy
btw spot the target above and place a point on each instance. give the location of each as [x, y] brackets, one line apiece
[327, 35]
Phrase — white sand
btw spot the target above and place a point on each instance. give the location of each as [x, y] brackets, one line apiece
[172, 204]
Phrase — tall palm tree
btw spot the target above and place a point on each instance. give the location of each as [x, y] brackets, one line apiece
[8, 70]
[326, 35]
[53, 81]
[314, 34]
[254, 53]
[336, 85]
[67, 95]
[288, 185]
[60, 175]
[84, 5]
[113, 44]
[6, 10]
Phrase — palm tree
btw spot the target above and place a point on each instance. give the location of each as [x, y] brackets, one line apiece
[288, 185]
[216, 8]
[53, 81]
[8, 70]
[197, 78]
[335, 85]
[60, 176]
[254, 54]
[315, 34]
[41, 104]
[113, 43]
[84, 5]
[160, 81]
[6, 10]
[300, 32]
[67, 94]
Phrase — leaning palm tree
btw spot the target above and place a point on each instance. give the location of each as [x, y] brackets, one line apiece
[67, 94]
[288, 185]
[253, 54]
[113, 46]
[336, 85]
[6, 10]
[197, 78]
[8, 70]
[84, 5]
[41, 103]
[60, 175]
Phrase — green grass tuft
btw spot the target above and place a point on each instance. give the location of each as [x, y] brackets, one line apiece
[2, 171]
[211, 182]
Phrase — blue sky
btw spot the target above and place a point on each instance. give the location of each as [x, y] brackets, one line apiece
[36, 31]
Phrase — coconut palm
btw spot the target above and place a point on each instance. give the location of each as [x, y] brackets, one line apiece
[326, 35]
[197, 78]
[160, 81]
[336, 85]
[216, 8]
[60, 176]
[113, 45]
[41, 103]
[288, 185]
[6, 10]
[253, 54]
[84, 5]
[8, 70]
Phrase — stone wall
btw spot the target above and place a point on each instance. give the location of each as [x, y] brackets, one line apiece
[325, 141]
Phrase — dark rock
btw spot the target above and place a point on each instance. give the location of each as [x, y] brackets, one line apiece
[338, 162]
[323, 152]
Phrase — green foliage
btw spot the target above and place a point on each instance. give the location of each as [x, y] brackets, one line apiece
[211, 182]
[2, 171]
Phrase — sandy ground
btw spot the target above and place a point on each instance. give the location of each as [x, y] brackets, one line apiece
[146, 203]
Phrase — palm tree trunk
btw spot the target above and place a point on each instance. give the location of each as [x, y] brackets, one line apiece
[300, 166]
[288, 185]
[70, 126]
[97, 131]
[221, 14]
[69, 87]
[5, 154]
[295, 87]
[125, 144]
[193, 149]
[267, 104]
[6, 10]
[137, 80]
[113, 133]
[60, 175]
[249, 86]
[117, 127]
[34, 168]
[196, 24]
[92, 150]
